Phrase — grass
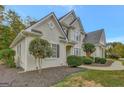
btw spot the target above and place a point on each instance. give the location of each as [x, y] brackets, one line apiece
[94, 78]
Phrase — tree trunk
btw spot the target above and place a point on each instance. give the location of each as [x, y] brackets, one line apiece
[36, 63]
[88, 54]
[39, 63]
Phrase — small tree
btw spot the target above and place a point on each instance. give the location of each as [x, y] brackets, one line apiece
[89, 49]
[40, 49]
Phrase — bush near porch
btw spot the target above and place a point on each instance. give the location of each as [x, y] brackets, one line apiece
[75, 61]
[100, 60]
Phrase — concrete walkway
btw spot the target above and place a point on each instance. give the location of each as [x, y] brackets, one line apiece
[115, 66]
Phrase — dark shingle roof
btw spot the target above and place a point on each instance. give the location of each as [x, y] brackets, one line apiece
[93, 37]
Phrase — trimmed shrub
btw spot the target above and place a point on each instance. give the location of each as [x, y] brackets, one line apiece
[87, 60]
[91, 57]
[97, 59]
[103, 61]
[74, 61]
[100, 60]
[7, 55]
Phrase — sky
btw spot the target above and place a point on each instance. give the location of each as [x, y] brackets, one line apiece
[110, 18]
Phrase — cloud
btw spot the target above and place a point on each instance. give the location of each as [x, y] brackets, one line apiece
[116, 39]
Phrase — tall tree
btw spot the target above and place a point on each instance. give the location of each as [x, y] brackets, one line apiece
[29, 21]
[14, 21]
[115, 48]
[1, 13]
[6, 36]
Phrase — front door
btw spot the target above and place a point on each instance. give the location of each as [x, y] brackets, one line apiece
[68, 51]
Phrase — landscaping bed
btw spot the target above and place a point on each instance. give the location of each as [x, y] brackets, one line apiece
[48, 77]
[107, 64]
[75, 61]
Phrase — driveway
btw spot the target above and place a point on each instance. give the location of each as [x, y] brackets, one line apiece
[48, 77]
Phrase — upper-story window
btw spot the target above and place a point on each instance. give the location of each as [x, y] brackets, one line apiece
[77, 36]
[51, 25]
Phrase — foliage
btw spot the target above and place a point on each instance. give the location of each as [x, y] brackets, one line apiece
[114, 56]
[100, 60]
[89, 48]
[7, 37]
[1, 13]
[10, 25]
[115, 50]
[74, 61]
[40, 49]
[87, 60]
[1, 8]
[7, 55]
[29, 21]
[14, 21]
[105, 78]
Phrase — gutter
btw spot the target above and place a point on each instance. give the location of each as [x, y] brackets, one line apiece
[22, 35]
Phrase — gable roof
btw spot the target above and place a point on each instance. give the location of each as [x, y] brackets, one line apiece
[78, 19]
[28, 29]
[73, 21]
[93, 37]
[42, 19]
[71, 12]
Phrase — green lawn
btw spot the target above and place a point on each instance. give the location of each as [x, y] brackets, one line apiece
[103, 78]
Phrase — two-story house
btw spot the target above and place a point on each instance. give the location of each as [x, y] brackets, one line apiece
[66, 36]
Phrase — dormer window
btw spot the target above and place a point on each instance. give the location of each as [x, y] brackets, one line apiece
[51, 25]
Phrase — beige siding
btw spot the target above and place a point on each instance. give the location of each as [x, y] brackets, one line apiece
[71, 37]
[23, 57]
[67, 20]
[102, 39]
[100, 52]
[51, 35]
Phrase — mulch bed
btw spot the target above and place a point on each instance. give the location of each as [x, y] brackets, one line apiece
[47, 77]
[107, 64]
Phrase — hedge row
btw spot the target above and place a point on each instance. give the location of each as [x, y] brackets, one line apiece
[75, 61]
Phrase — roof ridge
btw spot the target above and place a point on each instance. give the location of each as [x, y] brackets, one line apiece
[40, 19]
[98, 30]
[72, 11]
[94, 37]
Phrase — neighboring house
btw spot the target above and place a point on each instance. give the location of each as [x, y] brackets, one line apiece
[66, 36]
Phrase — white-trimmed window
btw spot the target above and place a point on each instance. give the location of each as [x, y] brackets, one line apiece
[77, 51]
[77, 36]
[51, 25]
[55, 51]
